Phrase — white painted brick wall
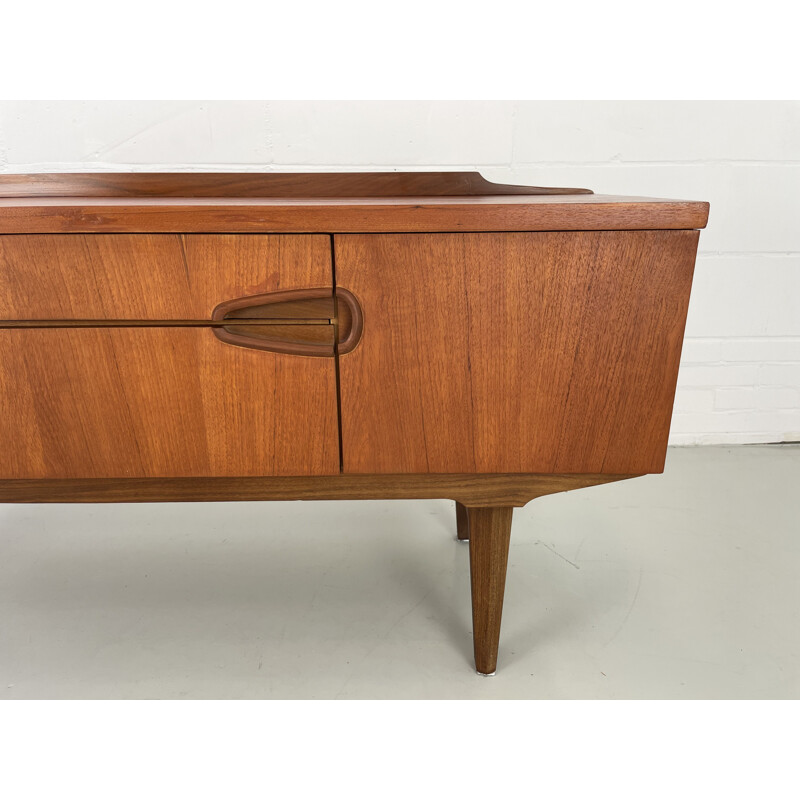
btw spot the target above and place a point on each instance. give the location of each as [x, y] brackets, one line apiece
[740, 371]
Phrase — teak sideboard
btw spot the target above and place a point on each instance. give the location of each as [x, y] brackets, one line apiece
[173, 337]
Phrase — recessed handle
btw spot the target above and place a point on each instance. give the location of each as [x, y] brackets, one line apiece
[304, 322]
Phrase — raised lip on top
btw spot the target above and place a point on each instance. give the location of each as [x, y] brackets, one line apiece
[263, 184]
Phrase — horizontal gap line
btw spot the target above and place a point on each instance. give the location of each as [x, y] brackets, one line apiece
[156, 323]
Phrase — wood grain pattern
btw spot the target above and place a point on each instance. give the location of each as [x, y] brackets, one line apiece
[160, 402]
[473, 490]
[265, 184]
[347, 215]
[545, 352]
[490, 534]
[140, 276]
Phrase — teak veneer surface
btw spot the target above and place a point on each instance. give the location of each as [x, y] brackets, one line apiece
[160, 402]
[516, 352]
[573, 212]
[265, 184]
[151, 276]
[477, 491]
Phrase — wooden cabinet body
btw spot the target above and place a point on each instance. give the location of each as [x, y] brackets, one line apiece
[230, 337]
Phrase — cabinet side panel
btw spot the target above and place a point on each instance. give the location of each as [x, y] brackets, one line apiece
[515, 352]
[160, 402]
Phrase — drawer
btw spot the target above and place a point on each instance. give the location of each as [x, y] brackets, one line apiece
[160, 402]
[513, 352]
[151, 276]
[168, 355]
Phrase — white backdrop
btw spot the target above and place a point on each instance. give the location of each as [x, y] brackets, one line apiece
[740, 372]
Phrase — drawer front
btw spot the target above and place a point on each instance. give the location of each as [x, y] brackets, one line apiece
[115, 360]
[510, 353]
[151, 276]
[160, 402]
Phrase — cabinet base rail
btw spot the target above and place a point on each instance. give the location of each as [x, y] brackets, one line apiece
[468, 489]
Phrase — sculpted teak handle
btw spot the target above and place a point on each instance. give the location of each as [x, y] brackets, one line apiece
[303, 322]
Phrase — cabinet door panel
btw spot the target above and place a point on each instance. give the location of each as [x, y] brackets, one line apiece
[151, 276]
[160, 402]
[513, 352]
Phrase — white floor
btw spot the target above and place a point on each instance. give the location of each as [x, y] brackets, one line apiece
[684, 585]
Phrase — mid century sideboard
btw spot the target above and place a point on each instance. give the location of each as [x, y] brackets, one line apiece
[313, 336]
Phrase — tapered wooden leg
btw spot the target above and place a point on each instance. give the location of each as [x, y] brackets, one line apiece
[462, 522]
[489, 535]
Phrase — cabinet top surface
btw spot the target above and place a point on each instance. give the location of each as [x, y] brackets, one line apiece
[318, 202]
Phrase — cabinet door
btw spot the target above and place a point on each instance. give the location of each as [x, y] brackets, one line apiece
[159, 398]
[513, 352]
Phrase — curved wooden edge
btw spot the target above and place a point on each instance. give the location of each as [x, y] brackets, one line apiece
[356, 323]
[472, 491]
[264, 184]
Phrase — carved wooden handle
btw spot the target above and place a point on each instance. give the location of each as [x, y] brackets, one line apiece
[302, 322]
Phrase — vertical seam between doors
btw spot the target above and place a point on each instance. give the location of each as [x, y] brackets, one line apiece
[336, 355]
